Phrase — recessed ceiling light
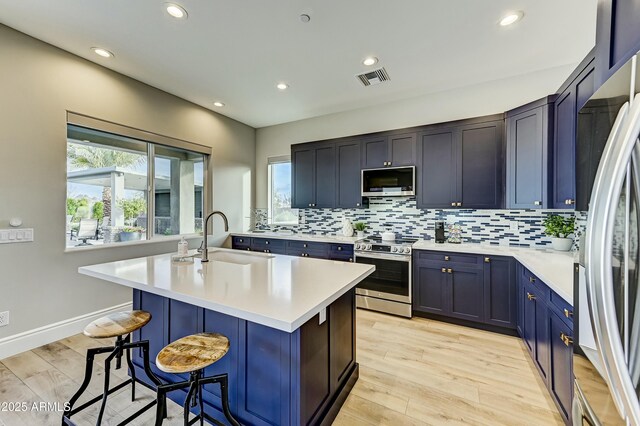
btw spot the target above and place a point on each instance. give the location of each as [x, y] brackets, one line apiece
[282, 86]
[218, 104]
[370, 61]
[511, 18]
[102, 52]
[176, 10]
[305, 18]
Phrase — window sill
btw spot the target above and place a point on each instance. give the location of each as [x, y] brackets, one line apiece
[155, 240]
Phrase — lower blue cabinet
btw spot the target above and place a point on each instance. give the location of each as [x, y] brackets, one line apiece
[299, 248]
[546, 328]
[469, 287]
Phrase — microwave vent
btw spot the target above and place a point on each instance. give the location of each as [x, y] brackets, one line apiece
[373, 77]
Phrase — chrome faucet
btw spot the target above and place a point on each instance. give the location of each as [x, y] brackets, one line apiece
[205, 252]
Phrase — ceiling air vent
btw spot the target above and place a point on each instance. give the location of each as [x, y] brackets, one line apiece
[373, 77]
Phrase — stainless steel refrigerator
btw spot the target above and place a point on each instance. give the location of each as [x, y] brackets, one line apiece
[607, 301]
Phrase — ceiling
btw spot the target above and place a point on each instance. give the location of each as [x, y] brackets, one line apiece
[236, 51]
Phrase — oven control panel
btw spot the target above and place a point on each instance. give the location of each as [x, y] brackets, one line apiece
[383, 248]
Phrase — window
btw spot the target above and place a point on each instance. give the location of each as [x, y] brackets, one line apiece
[108, 185]
[280, 211]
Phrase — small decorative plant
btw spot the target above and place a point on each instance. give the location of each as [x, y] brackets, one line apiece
[558, 226]
[133, 229]
[360, 226]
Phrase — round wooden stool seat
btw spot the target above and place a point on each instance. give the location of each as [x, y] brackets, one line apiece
[117, 324]
[192, 353]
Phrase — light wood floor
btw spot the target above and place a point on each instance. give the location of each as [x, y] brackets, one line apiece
[412, 372]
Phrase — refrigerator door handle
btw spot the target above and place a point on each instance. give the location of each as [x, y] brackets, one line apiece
[597, 260]
[608, 187]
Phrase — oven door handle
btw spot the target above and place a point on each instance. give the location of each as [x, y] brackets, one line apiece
[394, 257]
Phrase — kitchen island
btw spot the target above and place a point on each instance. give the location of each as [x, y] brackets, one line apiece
[290, 321]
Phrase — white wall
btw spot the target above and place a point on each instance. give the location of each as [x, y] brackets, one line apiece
[39, 283]
[483, 99]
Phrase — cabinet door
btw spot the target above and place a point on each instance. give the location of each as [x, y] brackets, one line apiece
[348, 185]
[480, 166]
[375, 152]
[466, 288]
[437, 174]
[430, 290]
[542, 355]
[564, 176]
[561, 377]
[302, 170]
[324, 177]
[526, 159]
[521, 301]
[500, 291]
[402, 150]
[529, 317]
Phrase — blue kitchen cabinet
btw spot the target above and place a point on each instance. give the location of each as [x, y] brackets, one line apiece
[466, 287]
[460, 164]
[574, 94]
[430, 289]
[319, 250]
[269, 245]
[561, 373]
[394, 150]
[547, 331]
[500, 291]
[529, 135]
[348, 175]
[480, 159]
[617, 35]
[478, 289]
[436, 171]
[313, 182]
[520, 301]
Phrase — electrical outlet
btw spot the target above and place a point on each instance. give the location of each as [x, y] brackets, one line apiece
[514, 226]
[4, 318]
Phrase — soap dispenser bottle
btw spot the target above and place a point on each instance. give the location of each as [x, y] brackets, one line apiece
[183, 247]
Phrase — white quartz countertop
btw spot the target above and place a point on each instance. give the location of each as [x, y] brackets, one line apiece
[282, 292]
[299, 237]
[553, 267]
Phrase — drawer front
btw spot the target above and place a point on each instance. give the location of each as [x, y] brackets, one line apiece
[470, 260]
[307, 246]
[316, 254]
[240, 242]
[543, 292]
[260, 244]
[341, 250]
[562, 308]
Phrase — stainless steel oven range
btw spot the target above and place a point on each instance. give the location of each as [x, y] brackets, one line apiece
[388, 289]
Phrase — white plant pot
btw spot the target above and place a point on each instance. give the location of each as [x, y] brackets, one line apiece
[561, 244]
[360, 234]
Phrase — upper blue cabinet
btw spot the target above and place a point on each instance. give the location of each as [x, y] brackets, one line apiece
[393, 150]
[460, 164]
[617, 36]
[313, 168]
[529, 134]
[573, 95]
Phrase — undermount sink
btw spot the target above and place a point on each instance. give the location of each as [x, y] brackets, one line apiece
[239, 257]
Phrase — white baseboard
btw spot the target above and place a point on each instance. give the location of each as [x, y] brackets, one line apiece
[31, 339]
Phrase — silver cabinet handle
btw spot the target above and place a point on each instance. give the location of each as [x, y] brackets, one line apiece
[487, 260]
[453, 204]
[357, 204]
[537, 203]
[569, 201]
[458, 204]
[304, 245]
[266, 242]
[444, 270]
[339, 248]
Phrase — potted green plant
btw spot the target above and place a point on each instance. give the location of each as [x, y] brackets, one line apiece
[560, 228]
[131, 233]
[360, 227]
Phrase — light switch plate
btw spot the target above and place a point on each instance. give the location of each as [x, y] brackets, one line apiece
[4, 318]
[16, 235]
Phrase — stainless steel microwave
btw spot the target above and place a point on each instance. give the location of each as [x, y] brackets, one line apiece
[389, 182]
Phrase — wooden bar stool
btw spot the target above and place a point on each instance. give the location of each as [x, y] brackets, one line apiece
[119, 325]
[192, 354]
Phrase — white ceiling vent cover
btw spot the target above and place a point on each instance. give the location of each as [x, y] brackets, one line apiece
[373, 77]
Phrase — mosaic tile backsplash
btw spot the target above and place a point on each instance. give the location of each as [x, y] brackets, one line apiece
[499, 227]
